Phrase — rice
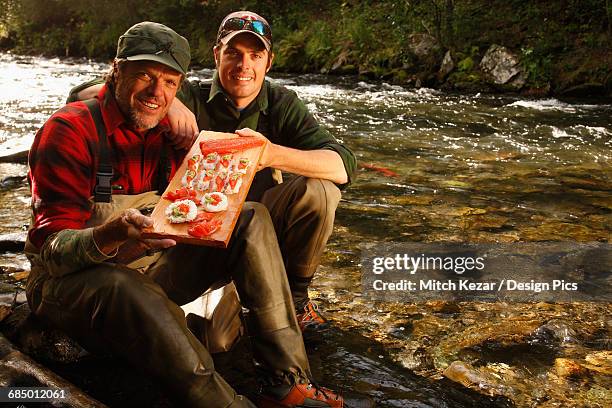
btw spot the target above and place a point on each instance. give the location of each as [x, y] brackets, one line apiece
[181, 211]
[208, 202]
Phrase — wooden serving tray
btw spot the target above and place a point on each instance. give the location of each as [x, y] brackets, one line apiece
[162, 228]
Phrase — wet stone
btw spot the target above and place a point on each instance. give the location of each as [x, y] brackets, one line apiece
[468, 376]
[401, 330]
[39, 341]
[565, 367]
[12, 242]
[600, 361]
[13, 297]
[4, 311]
[555, 332]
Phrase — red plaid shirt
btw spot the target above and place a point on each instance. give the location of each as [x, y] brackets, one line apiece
[63, 162]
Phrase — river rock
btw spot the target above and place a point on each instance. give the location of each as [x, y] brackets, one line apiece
[562, 231]
[478, 380]
[12, 181]
[485, 335]
[14, 298]
[39, 341]
[14, 156]
[585, 90]
[555, 331]
[17, 368]
[426, 47]
[565, 367]
[13, 242]
[600, 361]
[503, 68]
[447, 66]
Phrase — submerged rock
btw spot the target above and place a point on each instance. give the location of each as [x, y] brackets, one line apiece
[478, 380]
[600, 361]
[565, 367]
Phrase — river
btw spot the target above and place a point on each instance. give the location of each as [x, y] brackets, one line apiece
[436, 167]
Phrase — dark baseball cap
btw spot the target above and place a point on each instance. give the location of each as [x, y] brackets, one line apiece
[148, 41]
[245, 22]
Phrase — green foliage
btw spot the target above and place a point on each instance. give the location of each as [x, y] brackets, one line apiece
[466, 64]
[538, 67]
[290, 51]
[345, 36]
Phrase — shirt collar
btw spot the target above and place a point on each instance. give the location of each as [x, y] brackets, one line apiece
[261, 100]
[113, 117]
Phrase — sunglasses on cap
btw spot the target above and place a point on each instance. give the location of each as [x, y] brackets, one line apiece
[249, 23]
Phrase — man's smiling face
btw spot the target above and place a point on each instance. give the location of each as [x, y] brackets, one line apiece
[242, 64]
[144, 91]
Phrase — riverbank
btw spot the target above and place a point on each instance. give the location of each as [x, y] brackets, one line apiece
[535, 48]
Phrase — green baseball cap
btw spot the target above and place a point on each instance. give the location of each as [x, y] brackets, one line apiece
[155, 42]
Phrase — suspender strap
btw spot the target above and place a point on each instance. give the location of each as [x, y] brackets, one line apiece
[104, 172]
[163, 171]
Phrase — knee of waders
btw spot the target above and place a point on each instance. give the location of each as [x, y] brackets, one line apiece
[218, 326]
[254, 221]
[320, 196]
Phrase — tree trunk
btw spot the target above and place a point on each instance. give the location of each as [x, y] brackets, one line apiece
[450, 22]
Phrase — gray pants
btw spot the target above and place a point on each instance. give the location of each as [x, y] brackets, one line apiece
[137, 317]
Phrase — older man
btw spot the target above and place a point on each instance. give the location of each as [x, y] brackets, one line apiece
[241, 100]
[93, 166]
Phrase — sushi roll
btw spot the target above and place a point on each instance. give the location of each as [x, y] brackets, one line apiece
[210, 161]
[204, 180]
[218, 183]
[194, 162]
[188, 178]
[224, 162]
[214, 202]
[243, 165]
[234, 183]
[181, 211]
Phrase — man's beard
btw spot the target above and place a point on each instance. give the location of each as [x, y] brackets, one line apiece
[136, 119]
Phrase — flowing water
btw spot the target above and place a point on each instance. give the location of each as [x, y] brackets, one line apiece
[435, 167]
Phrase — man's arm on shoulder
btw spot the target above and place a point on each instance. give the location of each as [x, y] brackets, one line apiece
[183, 123]
[86, 90]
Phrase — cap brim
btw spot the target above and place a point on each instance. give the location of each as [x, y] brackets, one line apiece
[231, 35]
[167, 60]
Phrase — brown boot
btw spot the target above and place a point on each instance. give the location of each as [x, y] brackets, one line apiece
[310, 319]
[309, 395]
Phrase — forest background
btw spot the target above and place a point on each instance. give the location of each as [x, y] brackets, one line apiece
[563, 46]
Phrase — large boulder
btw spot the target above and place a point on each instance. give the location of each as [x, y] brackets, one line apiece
[503, 68]
[426, 47]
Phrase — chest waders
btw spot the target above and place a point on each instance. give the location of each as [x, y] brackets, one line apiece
[215, 317]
